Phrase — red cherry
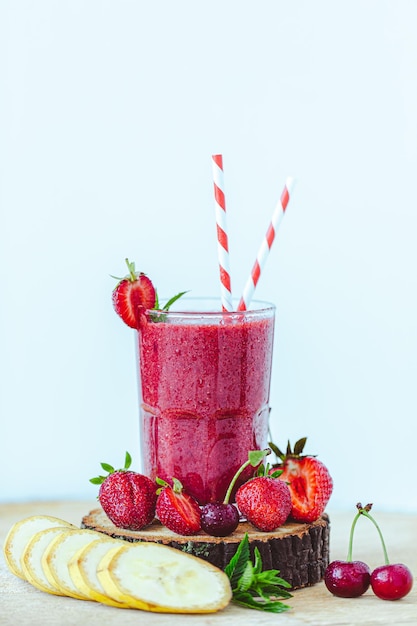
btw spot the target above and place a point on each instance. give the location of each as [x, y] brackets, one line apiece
[392, 581]
[347, 579]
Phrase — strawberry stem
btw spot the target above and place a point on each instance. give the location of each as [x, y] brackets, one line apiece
[131, 268]
[254, 458]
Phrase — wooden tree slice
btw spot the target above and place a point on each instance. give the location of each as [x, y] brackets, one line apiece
[299, 551]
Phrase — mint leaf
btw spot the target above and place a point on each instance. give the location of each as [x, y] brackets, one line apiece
[270, 577]
[159, 315]
[257, 567]
[246, 599]
[173, 299]
[252, 587]
[237, 563]
[246, 580]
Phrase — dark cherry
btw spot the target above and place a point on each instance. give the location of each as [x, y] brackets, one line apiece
[219, 519]
[391, 581]
[347, 579]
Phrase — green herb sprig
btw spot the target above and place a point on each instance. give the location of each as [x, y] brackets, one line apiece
[169, 303]
[159, 315]
[252, 587]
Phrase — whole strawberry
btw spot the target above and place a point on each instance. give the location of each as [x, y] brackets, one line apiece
[133, 293]
[309, 481]
[265, 501]
[127, 498]
[176, 509]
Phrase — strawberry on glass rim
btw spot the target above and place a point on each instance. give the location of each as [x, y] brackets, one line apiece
[134, 294]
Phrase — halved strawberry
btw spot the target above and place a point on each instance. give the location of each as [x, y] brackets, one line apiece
[133, 293]
[309, 481]
[176, 509]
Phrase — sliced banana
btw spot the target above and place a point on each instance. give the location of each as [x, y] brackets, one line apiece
[157, 578]
[20, 534]
[83, 570]
[32, 560]
[57, 555]
[59, 558]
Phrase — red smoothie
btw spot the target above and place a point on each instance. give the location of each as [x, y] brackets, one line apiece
[204, 387]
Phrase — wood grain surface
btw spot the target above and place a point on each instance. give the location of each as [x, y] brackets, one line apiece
[22, 604]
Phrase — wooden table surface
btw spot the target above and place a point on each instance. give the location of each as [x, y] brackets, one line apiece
[22, 604]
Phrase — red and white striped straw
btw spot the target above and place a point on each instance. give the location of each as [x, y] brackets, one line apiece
[222, 239]
[267, 242]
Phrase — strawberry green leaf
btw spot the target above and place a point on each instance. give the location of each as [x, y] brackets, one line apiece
[265, 470]
[107, 468]
[299, 446]
[276, 451]
[276, 474]
[97, 480]
[128, 461]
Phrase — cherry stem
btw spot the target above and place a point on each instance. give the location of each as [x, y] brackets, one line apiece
[349, 555]
[365, 512]
[254, 458]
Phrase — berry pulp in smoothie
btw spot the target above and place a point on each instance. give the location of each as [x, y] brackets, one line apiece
[204, 387]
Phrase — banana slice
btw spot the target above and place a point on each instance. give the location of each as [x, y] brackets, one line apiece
[157, 578]
[57, 555]
[32, 560]
[59, 558]
[83, 570]
[19, 535]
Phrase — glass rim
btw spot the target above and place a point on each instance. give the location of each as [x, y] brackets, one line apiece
[256, 307]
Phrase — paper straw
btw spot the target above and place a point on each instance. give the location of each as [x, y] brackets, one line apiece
[222, 239]
[267, 242]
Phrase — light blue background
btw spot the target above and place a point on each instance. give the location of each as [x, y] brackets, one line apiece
[109, 114]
